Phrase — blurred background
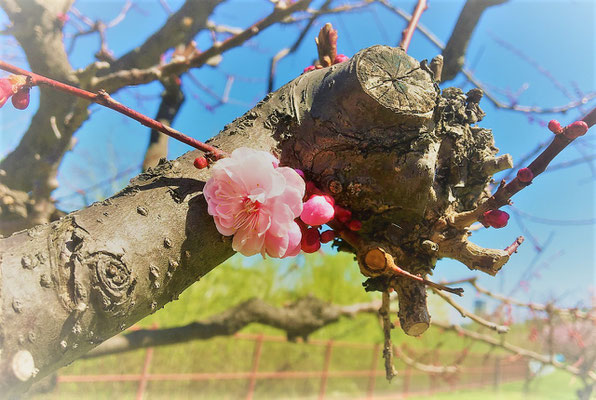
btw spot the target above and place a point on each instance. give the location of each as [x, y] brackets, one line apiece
[530, 57]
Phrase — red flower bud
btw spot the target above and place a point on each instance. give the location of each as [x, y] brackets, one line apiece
[201, 162]
[20, 100]
[327, 236]
[576, 129]
[496, 218]
[343, 215]
[340, 58]
[311, 240]
[328, 199]
[355, 225]
[311, 189]
[555, 127]
[525, 175]
[5, 90]
[309, 68]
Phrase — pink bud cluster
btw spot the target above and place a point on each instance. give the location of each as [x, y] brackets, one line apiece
[262, 205]
[319, 209]
[495, 218]
[15, 86]
[571, 131]
[338, 59]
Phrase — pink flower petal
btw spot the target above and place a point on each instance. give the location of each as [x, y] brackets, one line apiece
[252, 198]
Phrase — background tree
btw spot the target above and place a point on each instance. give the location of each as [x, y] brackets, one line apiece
[109, 262]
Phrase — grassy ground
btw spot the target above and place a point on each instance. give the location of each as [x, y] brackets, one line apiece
[335, 279]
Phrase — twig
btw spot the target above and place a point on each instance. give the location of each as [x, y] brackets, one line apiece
[120, 78]
[429, 369]
[289, 50]
[384, 312]
[465, 313]
[506, 190]
[104, 99]
[409, 31]
[517, 350]
[563, 312]
[527, 109]
[376, 261]
[487, 93]
[512, 248]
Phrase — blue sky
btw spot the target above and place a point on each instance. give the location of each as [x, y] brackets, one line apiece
[558, 35]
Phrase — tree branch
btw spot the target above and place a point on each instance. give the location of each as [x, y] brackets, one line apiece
[180, 28]
[299, 319]
[171, 101]
[517, 350]
[455, 50]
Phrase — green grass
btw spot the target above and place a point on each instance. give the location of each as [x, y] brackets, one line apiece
[555, 386]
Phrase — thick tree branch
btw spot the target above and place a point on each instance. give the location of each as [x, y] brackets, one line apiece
[455, 50]
[70, 285]
[180, 28]
[298, 319]
[33, 165]
[114, 80]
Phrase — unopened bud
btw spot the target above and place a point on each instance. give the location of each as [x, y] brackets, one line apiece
[576, 129]
[201, 162]
[525, 175]
[20, 100]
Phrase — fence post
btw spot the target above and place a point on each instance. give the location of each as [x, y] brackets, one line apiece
[407, 376]
[145, 373]
[256, 357]
[497, 373]
[325, 372]
[373, 369]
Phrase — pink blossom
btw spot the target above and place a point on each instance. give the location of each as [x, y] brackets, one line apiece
[256, 202]
[317, 210]
[5, 90]
[309, 68]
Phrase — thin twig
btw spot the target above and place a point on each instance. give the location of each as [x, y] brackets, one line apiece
[516, 350]
[104, 99]
[506, 190]
[409, 31]
[465, 313]
[385, 313]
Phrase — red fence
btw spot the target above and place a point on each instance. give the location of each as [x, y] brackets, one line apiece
[485, 371]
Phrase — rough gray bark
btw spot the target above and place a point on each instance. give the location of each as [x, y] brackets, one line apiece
[373, 131]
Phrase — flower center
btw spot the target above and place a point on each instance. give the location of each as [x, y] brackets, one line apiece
[248, 216]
